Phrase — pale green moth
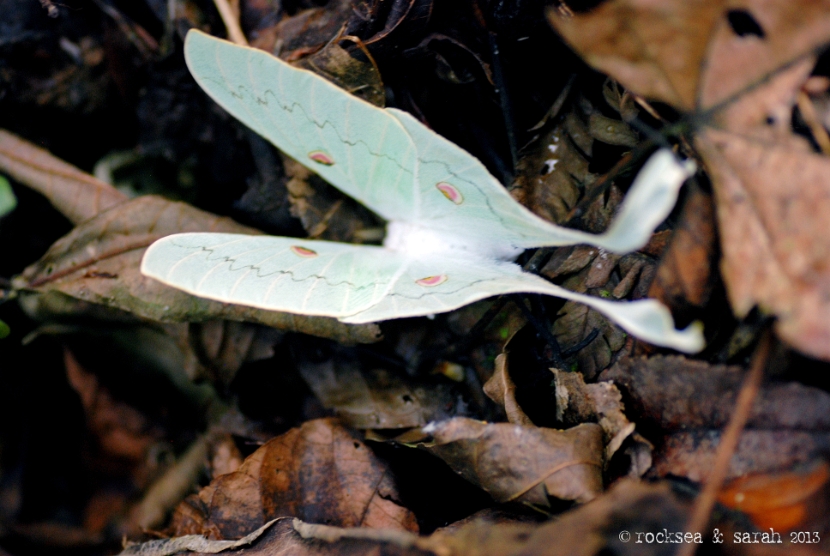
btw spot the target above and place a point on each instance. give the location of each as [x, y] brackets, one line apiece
[452, 228]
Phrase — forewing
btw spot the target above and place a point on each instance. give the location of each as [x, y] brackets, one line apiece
[357, 147]
[275, 273]
[458, 195]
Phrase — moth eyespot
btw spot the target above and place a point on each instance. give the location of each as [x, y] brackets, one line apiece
[321, 158]
[431, 281]
[450, 192]
[303, 252]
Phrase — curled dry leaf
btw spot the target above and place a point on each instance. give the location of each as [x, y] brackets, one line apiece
[692, 401]
[771, 189]
[318, 472]
[577, 402]
[694, 55]
[501, 389]
[773, 195]
[76, 194]
[99, 261]
[524, 464]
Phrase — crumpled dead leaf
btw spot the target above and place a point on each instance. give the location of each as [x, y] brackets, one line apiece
[577, 402]
[692, 401]
[317, 472]
[749, 62]
[99, 260]
[773, 195]
[519, 463]
[693, 55]
[685, 274]
[589, 530]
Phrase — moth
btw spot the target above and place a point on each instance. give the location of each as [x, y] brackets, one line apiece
[452, 229]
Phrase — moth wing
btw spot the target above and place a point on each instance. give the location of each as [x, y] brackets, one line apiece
[274, 273]
[479, 205]
[437, 284]
[395, 165]
[357, 147]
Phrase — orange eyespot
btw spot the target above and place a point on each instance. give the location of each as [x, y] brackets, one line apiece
[450, 192]
[431, 281]
[321, 158]
[303, 252]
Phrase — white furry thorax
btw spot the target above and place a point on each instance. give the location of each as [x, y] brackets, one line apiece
[415, 240]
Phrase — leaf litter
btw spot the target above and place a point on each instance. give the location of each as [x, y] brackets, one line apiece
[577, 410]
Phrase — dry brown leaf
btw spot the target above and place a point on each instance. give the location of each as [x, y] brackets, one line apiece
[76, 194]
[694, 55]
[375, 398]
[601, 402]
[782, 501]
[692, 402]
[121, 433]
[771, 189]
[692, 454]
[524, 464]
[686, 271]
[676, 393]
[359, 78]
[99, 261]
[773, 195]
[318, 472]
[501, 389]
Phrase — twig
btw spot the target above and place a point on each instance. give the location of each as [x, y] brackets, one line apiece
[728, 443]
[231, 21]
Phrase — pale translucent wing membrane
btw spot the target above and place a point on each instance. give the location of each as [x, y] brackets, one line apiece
[395, 165]
[357, 147]
[274, 273]
[487, 211]
[360, 284]
[459, 282]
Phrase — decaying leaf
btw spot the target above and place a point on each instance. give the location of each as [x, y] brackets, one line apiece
[686, 271]
[518, 463]
[99, 262]
[577, 402]
[784, 501]
[318, 472]
[375, 398]
[771, 190]
[694, 55]
[502, 390]
[692, 402]
[589, 530]
[773, 195]
[73, 192]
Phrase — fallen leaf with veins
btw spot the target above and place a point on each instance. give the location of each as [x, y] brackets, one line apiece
[318, 472]
[98, 261]
[520, 463]
[694, 55]
[771, 190]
